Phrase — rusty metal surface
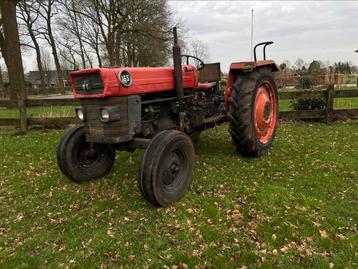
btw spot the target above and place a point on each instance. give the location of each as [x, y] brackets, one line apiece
[249, 66]
[106, 132]
[177, 66]
[211, 72]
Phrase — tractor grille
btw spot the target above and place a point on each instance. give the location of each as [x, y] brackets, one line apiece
[89, 83]
[106, 132]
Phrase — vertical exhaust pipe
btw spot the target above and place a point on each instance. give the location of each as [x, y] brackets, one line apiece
[177, 66]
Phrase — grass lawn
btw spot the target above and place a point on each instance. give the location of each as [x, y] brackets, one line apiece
[350, 79]
[69, 111]
[40, 112]
[295, 207]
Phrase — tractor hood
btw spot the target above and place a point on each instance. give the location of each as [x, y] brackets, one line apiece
[123, 81]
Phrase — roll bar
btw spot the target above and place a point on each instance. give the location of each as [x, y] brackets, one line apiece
[267, 43]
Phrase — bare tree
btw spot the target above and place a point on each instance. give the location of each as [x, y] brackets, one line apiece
[73, 25]
[198, 49]
[29, 15]
[47, 64]
[299, 63]
[10, 48]
[2, 88]
[131, 32]
[47, 11]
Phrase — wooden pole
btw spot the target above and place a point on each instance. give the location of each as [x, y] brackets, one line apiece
[329, 103]
[23, 113]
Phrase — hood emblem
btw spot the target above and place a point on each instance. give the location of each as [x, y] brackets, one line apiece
[125, 78]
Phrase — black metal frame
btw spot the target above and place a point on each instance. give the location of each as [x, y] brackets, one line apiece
[195, 58]
[267, 43]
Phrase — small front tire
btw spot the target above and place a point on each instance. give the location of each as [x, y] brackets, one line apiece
[80, 160]
[167, 167]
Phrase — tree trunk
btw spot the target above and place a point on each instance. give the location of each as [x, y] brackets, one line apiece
[61, 86]
[38, 59]
[98, 56]
[12, 57]
[2, 88]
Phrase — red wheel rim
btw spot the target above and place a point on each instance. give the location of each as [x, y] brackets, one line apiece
[265, 115]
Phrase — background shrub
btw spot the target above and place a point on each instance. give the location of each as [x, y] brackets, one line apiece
[306, 82]
[308, 104]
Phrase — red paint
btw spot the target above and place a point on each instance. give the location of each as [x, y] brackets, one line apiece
[265, 115]
[205, 86]
[245, 67]
[144, 80]
[254, 65]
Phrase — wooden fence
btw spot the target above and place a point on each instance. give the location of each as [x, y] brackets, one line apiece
[328, 114]
[5, 91]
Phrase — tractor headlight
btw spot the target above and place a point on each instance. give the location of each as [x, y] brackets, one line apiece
[105, 115]
[80, 114]
[110, 113]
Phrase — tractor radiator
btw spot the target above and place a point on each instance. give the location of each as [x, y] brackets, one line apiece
[117, 131]
[89, 83]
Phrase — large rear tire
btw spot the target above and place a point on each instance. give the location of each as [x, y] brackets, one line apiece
[253, 112]
[167, 168]
[80, 160]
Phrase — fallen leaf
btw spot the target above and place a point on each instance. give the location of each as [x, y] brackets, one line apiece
[323, 234]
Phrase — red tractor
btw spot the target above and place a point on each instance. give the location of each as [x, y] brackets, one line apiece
[164, 110]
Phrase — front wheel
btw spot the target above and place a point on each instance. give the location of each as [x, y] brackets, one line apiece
[80, 160]
[253, 112]
[167, 167]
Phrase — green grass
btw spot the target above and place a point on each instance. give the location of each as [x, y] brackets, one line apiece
[40, 112]
[296, 207]
[350, 79]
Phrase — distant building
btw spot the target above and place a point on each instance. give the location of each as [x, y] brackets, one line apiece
[50, 78]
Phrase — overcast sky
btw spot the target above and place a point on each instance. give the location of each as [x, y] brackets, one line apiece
[314, 30]
[311, 30]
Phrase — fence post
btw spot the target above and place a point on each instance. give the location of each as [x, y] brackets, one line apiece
[23, 113]
[329, 102]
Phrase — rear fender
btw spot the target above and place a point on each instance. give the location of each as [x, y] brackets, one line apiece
[242, 68]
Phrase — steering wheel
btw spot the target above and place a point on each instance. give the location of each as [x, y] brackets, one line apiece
[201, 63]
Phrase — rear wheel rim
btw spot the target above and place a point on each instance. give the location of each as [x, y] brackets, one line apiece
[265, 115]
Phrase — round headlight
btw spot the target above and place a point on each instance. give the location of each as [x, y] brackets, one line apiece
[104, 115]
[80, 114]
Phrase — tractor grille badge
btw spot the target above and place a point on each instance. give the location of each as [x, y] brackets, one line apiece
[85, 85]
[125, 78]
